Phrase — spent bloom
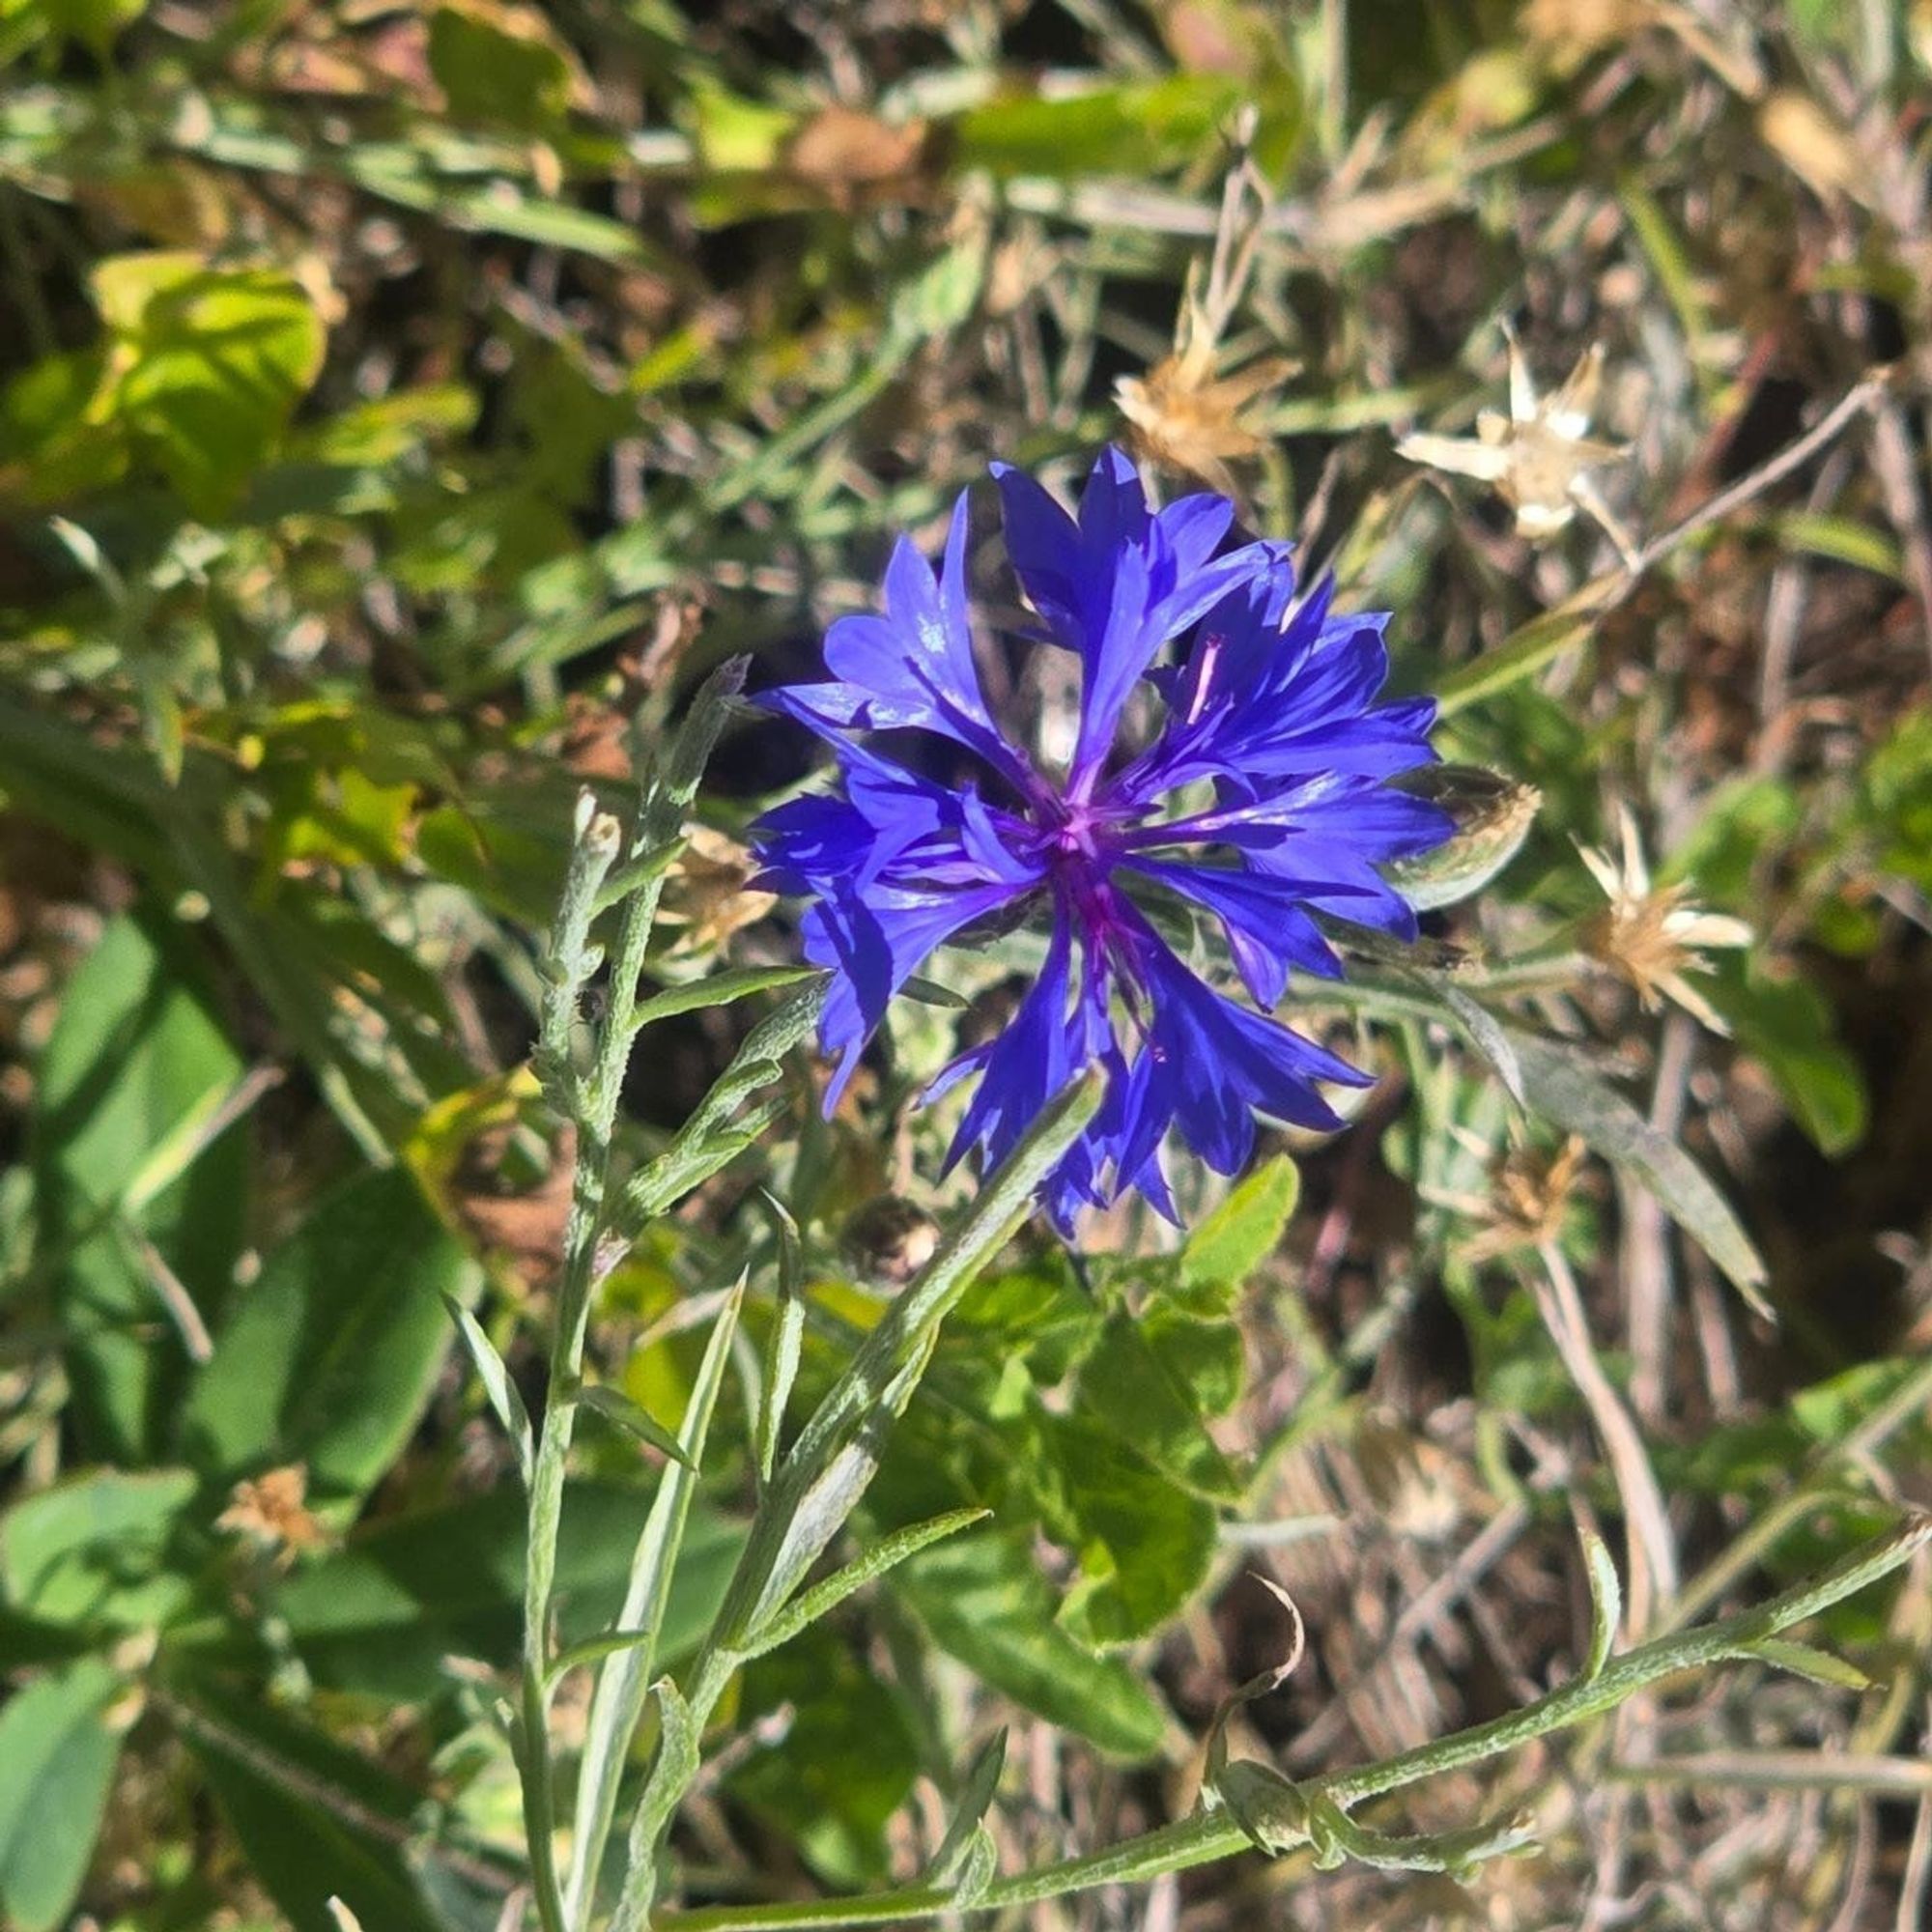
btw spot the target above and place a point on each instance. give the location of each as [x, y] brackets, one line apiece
[1538, 458]
[1651, 936]
[1260, 801]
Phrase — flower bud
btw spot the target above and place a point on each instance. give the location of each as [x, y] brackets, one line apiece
[889, 1240]
[1492, 815]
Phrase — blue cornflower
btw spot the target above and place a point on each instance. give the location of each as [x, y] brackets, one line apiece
[1261, 800]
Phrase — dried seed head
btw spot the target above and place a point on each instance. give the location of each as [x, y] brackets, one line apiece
[1185, 416]
[709, 893]
[270, 1512]
[1651, 936]
[1538, 457]
[1530, 1193]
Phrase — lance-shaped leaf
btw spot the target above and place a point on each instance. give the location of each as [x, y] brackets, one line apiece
[825, 1596]
[494, 1376]
[716, 989]
[618, 1700]
[786, 1343]
[820, 1482]
[959, 1851]
[1561, 1089]
[614, 1405]
[711, 1137]
[1607, 1602]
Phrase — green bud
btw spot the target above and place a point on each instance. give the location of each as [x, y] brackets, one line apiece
[1492, 817]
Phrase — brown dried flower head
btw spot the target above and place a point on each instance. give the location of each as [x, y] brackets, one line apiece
[271, 1512]
[1652, 936]
[707, 894]
[1530, 1192]
[1185, 416]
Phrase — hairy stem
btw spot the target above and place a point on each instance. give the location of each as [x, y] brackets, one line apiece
[820, 1481]
[1210, 1835]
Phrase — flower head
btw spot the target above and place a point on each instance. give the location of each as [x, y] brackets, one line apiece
[1258, 802]
[1539, 456]
[1651, 936]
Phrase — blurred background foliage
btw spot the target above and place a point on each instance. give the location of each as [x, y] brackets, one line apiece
[400, 403]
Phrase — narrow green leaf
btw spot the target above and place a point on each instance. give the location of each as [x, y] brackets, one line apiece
[1527, 651]
[1562, 1090]
[633, 874]
[1803, 1660]
[786, 1343]
[614, 1405]
[823, 1598]
[497, 1385]
[618, 1700]
[1482, 1031]
[1606, 1602]
[966, 1829]
[717, 990]
[595, 1649]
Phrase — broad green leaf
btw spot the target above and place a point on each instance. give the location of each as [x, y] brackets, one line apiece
[1568, 1095]
[983, 1600]
[1137, 1384]
[57, 1755]
[1144, 1542]
[87, 1550]
[499, 62]
[332, 1356]
[315, 1819]
[504, 846]
[134, 1056]
[380, 1614]
[95, 24]
[1787, 1025]
[209, 365]
[1240, 1234]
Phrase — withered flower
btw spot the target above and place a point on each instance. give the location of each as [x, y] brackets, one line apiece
[1651, 936]
[1185, 416]
[1530, 1191]
[1538, 458]
[271, 1512]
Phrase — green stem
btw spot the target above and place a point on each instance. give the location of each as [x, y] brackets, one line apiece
[796, 1518]
[571, 967]
[1210, 1835]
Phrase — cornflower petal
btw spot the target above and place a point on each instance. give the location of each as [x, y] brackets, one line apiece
[1272, 705]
